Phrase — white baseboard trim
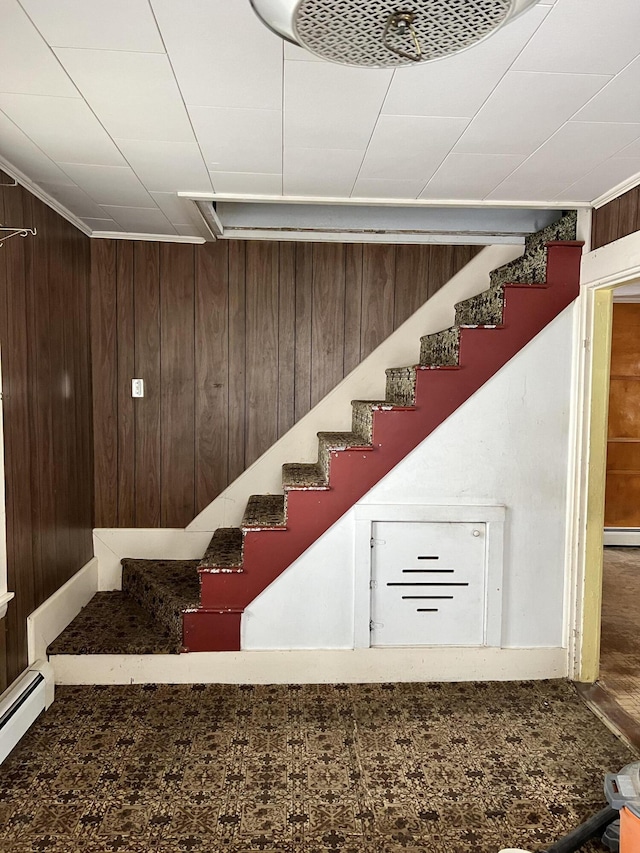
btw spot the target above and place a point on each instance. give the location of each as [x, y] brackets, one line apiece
[354, 666]
[622, 536]
[54, 614]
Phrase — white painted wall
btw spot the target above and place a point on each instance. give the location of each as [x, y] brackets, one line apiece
[508, 445]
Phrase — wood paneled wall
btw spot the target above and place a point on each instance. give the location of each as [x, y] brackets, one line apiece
[46, 374]
[235, 342]
[616, 219]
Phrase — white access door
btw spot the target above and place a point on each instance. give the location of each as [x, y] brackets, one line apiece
[428, 583]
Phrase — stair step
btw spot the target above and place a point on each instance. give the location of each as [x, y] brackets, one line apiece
[531, 267]
[362, 417]
[224, 553]
[441, 348]
[485, 309]
[401, 385]
[165, 588]
[264, 511]
[302, 475]
[329, 441]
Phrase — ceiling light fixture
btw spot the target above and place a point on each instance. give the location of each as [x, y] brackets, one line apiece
[379, 34]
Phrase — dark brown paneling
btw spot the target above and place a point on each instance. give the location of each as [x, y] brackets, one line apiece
[327, 318]
[235, 341]
[47, 409]
[304, 314]
[146, 363]
[104, 336]
[378, 296]
[616, 219]
[177, 409]
[261, 354]
[237, 366]
[212, 371]
[125, 318]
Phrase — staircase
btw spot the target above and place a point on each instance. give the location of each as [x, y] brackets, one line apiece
[200, 605]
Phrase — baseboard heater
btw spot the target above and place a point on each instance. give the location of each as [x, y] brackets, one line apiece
[20, 706]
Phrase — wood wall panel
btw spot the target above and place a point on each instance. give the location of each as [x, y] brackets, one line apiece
[146, 363]
[235, 341]
[47, 407]
[327, 319]
[616, 219]
[261, 353]
[211, 371]
[177, 407]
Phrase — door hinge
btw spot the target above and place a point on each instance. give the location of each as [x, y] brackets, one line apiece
[373, 625]
[586, 343]
[373, 584]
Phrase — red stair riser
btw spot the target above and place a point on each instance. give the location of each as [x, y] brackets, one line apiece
[439, 393]
[204, 631]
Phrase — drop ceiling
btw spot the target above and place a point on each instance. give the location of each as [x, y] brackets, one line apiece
[113, 109]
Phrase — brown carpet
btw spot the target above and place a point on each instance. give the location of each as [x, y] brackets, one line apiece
[440, 768]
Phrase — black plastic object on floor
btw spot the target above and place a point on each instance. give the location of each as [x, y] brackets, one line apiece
[611, 837]
[591, 828]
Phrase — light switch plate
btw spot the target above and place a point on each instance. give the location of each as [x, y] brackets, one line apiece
[137, 387]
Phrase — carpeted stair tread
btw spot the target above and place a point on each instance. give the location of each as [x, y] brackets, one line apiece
[340, 440]
[164, 588]
[224, 551]
[264, 511]
[362, 417]
[303, 475]
[441, 348]
[401, 385]
[112, 623]
[531, 266]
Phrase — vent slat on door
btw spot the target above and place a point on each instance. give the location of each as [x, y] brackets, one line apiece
[404, 610]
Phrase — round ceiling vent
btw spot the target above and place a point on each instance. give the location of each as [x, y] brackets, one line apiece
[378, 34]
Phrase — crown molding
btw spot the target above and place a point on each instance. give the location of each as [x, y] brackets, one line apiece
[382, 202]
[153, 238]
[624, 187]
[44, 197]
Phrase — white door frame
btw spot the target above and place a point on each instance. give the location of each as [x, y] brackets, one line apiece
[604, 269]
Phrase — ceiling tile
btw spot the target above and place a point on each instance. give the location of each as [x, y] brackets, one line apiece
[239, 140]
[318, 172]
[584, 37]
[379, 188]
[606, 176]
[330, 106]
[65, 128]
[525, 109]
[221, 53]
[134, 95]
[114, 25]
[140, 220]
[619, 100]
[573, 152]
[109, 184]
[101, 224]
[74, 199]
[459, 85]
[470, 176]
[249, 183]
[27, 64]
[177, 210]
[22, 153]
[188, 231]
[410, 147]
[167, 166]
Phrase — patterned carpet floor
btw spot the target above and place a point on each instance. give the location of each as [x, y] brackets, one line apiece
[620, 642]
[439, 768]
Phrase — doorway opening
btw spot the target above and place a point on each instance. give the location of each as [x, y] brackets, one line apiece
[620, 622]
